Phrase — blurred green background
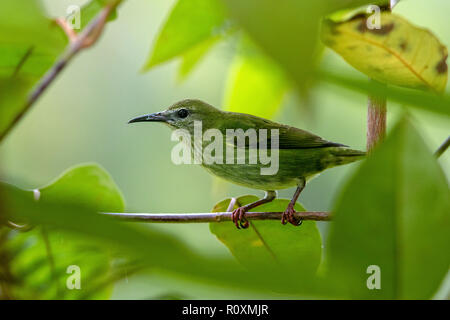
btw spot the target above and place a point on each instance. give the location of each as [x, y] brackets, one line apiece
[83, 116]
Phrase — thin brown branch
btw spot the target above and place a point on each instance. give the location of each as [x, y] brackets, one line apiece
[376, 120]
[70, 33]
[212, 217]
[86, 38]
[376, 112]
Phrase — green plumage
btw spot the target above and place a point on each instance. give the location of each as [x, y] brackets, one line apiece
[301, 154]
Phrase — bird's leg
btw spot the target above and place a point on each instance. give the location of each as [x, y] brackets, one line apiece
[288, 214]
[238, 215]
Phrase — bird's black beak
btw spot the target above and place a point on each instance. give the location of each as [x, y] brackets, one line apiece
[158, 116]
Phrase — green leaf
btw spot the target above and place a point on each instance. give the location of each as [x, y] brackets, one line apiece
[13, 93]
[398, 53]
[287, 30]
[23, 24]
[269, 244]
[29, 45]
[190, 22]
[148, 246]
[276, 28]
[394, 213]
[76, 217]
[87, 185]
[35, 265]
[255, 85]
[191, 58]
[40, 258]
[353, 9]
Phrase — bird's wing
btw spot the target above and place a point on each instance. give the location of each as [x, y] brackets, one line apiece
[288, 137]
[294, 138]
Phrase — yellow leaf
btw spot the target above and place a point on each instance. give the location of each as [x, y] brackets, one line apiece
[397, 52]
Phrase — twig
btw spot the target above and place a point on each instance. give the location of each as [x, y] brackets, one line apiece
[376, 120]
[70, 33]
[376, 112]
[85, 39]
[444, 146]
[50, 257]
[212, 217]
[197, 217]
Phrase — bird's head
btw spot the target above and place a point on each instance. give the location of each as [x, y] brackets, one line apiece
[182, 114]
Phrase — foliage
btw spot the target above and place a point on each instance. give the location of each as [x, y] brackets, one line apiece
[268, 244]
[34, 263]
[278, 38]
[35, 266]
[397, 53]
[29, 45]
[192, 25]
[147, 248]
[255, 83]
[393, 213]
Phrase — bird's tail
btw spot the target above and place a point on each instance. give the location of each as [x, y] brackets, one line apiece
[339, 156]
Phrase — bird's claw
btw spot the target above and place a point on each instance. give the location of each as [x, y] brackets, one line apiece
[288, 216]
[238, 217]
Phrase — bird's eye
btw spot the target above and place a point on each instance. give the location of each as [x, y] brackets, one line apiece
[183, 113]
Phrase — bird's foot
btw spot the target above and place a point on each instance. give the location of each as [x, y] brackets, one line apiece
[238, 217]
[288, 216]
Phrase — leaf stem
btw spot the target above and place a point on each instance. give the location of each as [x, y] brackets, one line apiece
[376, 112]
[213, 217]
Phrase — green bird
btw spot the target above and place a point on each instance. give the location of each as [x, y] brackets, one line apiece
[296, 155]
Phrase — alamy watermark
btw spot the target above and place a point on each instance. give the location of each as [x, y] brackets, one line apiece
[374, 280]
[374, 20]
[229, 149]
[74, 280]
[73, 18]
